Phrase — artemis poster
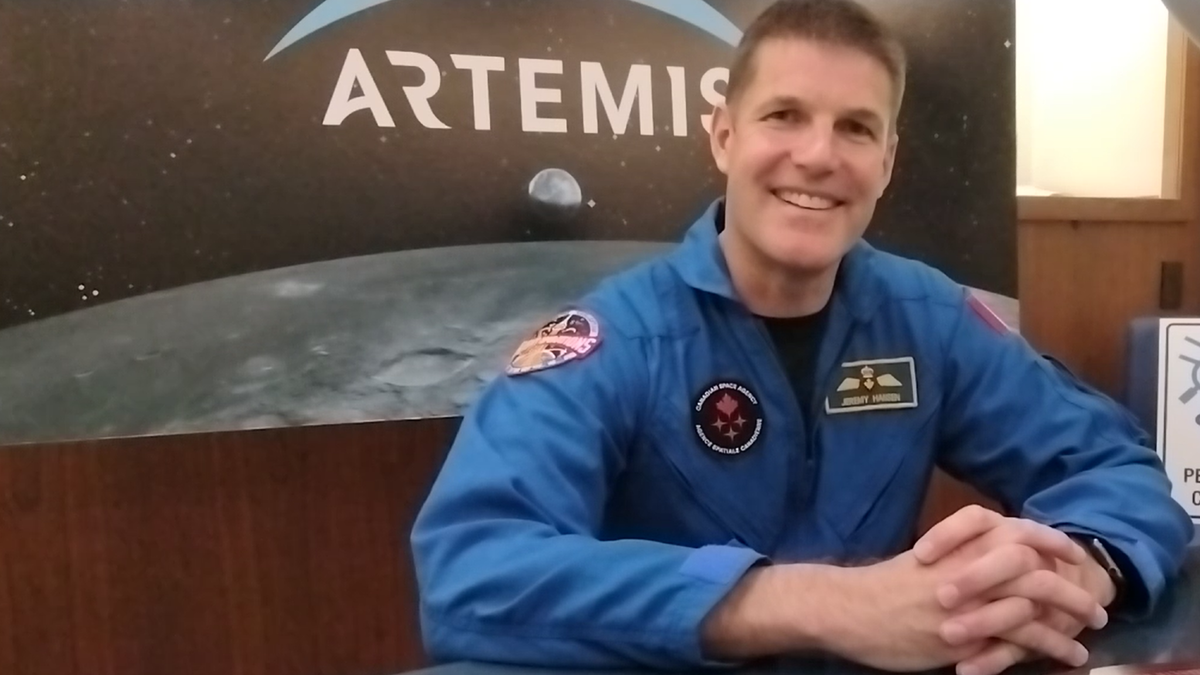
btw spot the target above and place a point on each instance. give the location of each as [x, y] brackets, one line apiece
[225, 215]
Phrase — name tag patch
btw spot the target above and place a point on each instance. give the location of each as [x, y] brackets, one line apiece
[880, 384]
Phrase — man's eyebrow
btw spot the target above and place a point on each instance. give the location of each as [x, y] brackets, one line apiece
[783, 100]
[865, 115]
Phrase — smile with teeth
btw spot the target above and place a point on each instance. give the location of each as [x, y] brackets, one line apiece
[804, 200]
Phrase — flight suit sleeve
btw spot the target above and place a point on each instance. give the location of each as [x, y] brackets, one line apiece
[509, 565]
[1026, 432]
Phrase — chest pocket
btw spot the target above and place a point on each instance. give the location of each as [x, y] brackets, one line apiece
[877, 453]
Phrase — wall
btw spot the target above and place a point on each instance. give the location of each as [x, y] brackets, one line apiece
[270, 552]
[1084, 323]
[1088, 267]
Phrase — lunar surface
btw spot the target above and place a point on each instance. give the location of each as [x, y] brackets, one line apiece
[391, 336]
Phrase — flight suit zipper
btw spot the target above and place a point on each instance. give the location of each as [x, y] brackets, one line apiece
[810, 414]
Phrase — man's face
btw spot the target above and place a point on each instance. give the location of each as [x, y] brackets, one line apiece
[808, 149]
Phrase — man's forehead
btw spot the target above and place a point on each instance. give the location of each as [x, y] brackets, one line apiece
[787, 52]
[843, 79]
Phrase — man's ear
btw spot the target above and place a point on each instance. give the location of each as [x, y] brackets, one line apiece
[719, 134]
[889, 161]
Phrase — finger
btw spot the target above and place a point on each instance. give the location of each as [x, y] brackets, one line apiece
[1061, 621]
[997, 567]
[1045, 540]
[990, 620]
[961, 527]
[993, 660]
[1053, 592]
[1039, 638]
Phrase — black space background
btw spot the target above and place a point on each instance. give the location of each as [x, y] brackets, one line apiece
[95, 98]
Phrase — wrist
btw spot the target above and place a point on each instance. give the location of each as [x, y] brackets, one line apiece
[1101, 574]
[1098, 582]
[747, 623]
[776, 609]
[852, 619]
[828, 615]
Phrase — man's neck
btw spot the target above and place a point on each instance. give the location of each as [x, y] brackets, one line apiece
[770, 290]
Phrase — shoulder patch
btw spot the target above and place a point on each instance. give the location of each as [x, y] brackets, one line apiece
[989, 317]
[567, 337]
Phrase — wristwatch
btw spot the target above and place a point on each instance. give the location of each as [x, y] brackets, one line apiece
[1100, 553]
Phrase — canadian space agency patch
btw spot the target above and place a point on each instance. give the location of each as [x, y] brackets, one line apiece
[569, 336]
[727, 418]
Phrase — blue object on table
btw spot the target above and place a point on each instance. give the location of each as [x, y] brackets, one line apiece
[1140, 393]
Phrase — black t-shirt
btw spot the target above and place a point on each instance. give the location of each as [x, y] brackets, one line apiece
[797, 343]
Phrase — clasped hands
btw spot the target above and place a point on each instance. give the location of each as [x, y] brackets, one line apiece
[1005, 590]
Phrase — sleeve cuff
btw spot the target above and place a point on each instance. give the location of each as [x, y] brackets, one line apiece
[721, 565]
[719, 568]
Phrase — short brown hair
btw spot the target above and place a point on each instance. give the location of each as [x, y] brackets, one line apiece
[844, 23]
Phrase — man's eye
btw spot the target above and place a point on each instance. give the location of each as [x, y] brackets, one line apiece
[860, 129]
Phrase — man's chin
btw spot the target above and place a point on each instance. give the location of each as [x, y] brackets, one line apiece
[805, 252]
[807, 262]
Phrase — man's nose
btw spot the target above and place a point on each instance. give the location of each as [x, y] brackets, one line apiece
[814, 148]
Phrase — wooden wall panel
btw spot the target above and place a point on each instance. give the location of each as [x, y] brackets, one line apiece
[279, 551]
[274, 552]
[1081, 283]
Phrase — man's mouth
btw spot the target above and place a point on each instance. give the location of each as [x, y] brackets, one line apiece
[807, 200]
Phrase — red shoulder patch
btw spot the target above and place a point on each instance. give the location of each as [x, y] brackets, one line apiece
[984, 312]
[569, 336]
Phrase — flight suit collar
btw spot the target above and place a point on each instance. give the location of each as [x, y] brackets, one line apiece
[700, 262]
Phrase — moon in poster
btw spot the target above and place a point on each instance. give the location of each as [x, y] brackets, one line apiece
[555, 193]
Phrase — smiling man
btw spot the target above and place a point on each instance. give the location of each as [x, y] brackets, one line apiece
[722, 454]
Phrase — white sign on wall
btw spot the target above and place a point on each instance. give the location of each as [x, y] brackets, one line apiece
[1179, 408]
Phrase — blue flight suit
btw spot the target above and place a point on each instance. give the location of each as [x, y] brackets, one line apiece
[591, 514]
